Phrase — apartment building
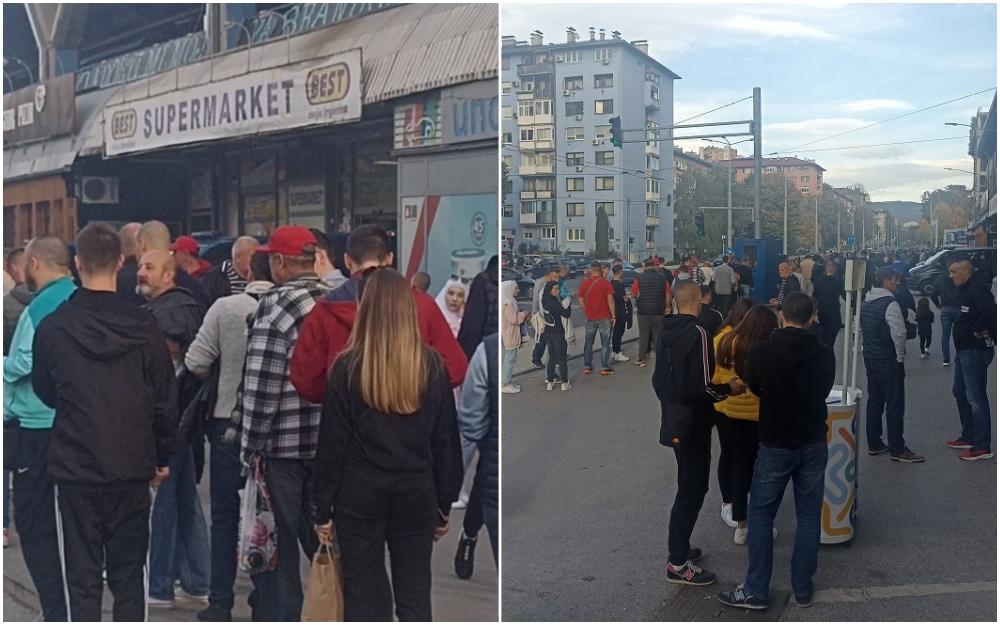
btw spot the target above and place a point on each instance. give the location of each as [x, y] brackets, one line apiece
[717, 153]
[803, 174]
[683, 161]
[983, 150]
[556, 104]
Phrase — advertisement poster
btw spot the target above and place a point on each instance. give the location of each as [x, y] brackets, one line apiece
[450, 235]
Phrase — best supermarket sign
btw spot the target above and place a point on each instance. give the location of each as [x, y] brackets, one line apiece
[321, 91]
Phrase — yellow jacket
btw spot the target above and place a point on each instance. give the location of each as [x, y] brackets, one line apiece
[745, 406]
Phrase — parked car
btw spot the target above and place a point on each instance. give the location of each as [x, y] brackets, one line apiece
[525, 287]
[922, 277]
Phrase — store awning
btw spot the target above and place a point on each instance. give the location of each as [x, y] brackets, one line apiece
[52, 156]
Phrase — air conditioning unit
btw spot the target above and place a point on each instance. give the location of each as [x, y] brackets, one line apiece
[99, 190]
[566, 93]
[579, 118]
[515, 84]
[597, 142]
[606, 62]
[579, 168]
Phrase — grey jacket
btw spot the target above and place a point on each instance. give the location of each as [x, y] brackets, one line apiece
[14, 304]
[223, 337]
[893, 317]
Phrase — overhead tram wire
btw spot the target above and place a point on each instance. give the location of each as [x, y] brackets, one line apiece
[879, 145]
[872, 125]
[635, 173]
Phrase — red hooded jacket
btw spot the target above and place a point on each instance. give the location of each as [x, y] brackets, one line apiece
[327, 328]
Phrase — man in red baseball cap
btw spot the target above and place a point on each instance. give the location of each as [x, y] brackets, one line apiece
[185, 251]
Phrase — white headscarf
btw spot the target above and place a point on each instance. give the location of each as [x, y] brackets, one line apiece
[507, 288]
[454, 319]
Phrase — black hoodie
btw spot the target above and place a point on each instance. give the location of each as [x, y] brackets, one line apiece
[103, 365]
[792, 373]
[692, 353]
[178, 314]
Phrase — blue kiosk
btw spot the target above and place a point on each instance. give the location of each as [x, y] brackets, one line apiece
[763, 256]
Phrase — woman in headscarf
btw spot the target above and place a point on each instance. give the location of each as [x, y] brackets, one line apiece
[451, 301]
[510, 331]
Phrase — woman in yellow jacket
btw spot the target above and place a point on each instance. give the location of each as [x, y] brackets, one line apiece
[732, 345]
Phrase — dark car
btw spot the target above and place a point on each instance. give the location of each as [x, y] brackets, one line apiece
[543, 268]
[922, 277]
[525, 287]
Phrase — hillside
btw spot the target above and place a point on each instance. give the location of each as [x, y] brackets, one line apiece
[904, 211]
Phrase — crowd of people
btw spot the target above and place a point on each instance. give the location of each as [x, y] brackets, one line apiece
[356, 399]
[759, 373]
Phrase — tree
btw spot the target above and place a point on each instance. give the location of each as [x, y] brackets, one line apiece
[601, 233]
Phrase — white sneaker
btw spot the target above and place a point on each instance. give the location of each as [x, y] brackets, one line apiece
[620, 357]
[181, 594]
[517, 386]
[6, 538]
[160, 604]
[727, 514]
[566, 386]
[740, 537]
[510, 388]
[549, 385]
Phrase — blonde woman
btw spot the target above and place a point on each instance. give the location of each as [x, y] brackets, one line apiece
[389, 460]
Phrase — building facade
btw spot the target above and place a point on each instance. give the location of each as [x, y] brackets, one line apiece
[803, 174]
[983, 150]
[556, 103]
[717, 153]
[684, 161]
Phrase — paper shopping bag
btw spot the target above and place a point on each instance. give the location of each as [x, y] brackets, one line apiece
[324, 598]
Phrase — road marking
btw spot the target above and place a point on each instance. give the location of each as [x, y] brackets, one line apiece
[853, 595]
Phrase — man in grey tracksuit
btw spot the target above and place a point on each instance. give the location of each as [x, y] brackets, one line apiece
[536, 305]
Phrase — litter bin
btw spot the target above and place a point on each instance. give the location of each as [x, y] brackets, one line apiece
[840, 488]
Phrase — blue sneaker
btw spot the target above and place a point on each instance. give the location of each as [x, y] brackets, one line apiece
[740, 598]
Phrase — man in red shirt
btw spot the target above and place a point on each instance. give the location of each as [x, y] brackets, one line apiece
[597, 298]
[327, 329]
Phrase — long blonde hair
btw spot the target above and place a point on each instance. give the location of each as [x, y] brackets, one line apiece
[386, 356]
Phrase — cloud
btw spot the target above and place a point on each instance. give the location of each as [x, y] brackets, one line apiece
[774, 28]
[861, 106]
[900, 180]
[885, 152]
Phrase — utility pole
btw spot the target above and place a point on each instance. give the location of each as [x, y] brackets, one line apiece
[784, 186]
[863, 239]
[933, 223]
[816, 223]
[729, 204]
[757, 148]
[840, 209]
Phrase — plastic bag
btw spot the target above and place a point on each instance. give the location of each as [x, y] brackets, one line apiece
[324, 595]
[258, 548]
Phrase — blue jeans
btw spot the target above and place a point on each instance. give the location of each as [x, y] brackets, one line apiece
[970, 393]
[592, 328]
[806, 466]
[885, 392]
[225, 485]
[6, 499]
[178, 546]
[509, 358]
[745, 290]
[948, 316]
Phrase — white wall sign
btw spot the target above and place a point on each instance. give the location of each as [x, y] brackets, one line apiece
[321, 91]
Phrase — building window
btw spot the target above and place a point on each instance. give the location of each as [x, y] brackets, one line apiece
[574, 108]
[527, 134]
[548, 232]
[574, 133]
[508, 137]
[572, 83]
[654, 92]
[604, 81]
[805, 179]
[650, 234]
[575, 234]
[652, 209]
[573, 56]
[605, 158]
[505, 112]
[574, 184]
[604, 183]
[603, 54]
[611, 233]
[505, 88]
[526, 108]
[528, 234]
[804, 189]
[505, 63]
[609, 207]
[527, 208]
[508, 210]
[653, 162]
[574, 209]
[574, 158]
[652, 185]
[604, 107]
[602, 132]
[539, 184]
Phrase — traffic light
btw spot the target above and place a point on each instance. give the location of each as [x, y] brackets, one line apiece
[616, 131]
[699, 223]
[631, 240]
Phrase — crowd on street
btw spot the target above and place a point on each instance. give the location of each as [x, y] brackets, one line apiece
[760, 374]
[327, 400]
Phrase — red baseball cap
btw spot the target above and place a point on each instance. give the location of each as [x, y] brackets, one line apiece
[185, 244]
[290, 241]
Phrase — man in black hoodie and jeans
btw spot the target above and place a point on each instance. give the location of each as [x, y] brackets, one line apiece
[792, 373]
[685, 363]
[103, 365]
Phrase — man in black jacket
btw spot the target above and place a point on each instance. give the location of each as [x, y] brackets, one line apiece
[946, 296]
[129, 235]
[685, 362]
[482, 308]
[230, 276]
[792, 373]
[975, 337]
[155, 236]
[103, 365]
[652, 292]
[787, 283]
[178, 523]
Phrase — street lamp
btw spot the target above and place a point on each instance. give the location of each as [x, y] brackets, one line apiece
[961, 170]
[284, 29]
[228, 24]
[968, 126]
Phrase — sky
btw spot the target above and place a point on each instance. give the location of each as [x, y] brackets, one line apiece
[822, 69]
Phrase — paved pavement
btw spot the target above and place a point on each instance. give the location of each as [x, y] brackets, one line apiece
[453, 599]
[587, 492]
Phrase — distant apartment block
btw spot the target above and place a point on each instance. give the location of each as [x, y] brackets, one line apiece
[802, 174]
[717, 153]
[556, 103]
[683, 161]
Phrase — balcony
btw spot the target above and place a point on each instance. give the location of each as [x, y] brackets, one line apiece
[537, 195]
[652, 220]
[536, 69]
[538, 145]
[541, 218]
[653, 148]
[652, 196]
[536, 169]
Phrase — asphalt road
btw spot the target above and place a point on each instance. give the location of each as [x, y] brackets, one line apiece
[587, 491]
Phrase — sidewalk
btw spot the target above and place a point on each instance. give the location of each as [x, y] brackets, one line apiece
[575, 350]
